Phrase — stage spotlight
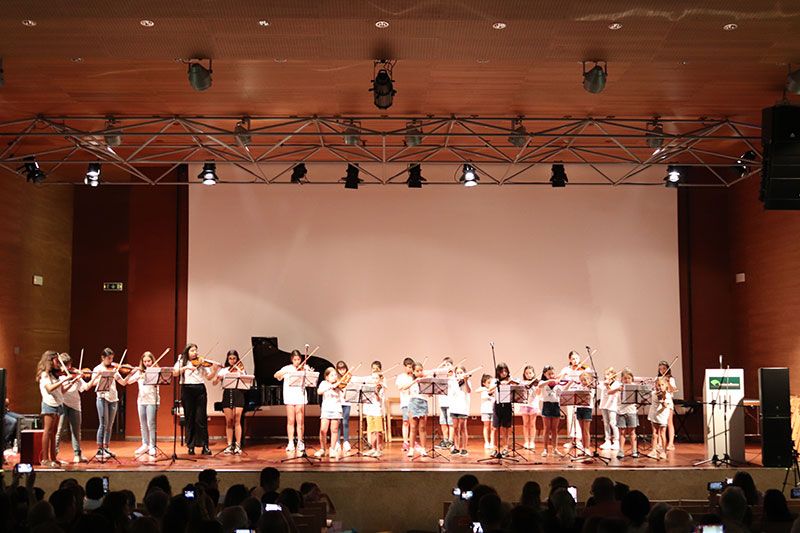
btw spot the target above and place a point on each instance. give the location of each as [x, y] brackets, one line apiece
[519, 135]
[415, 178]
[351, 135]
[654, 135]
[744, 161]
[351, 180]
[199, 76]
[468, 176]
[112, 138]
[92, 178]
[793, 82]
[33, 173]
[383, 85]
[594, 80]
[242, 132]
[673, 176]
[299, 173]
[558, 176]
[209, 174]
[413, 134]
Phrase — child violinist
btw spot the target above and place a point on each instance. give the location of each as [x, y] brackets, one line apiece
[147, 403]
[417, 411]
[503, 411]
[294, 398]
[459, 391]
[107, 401]
[627, 420]
[487, 409]
[445, 369]
[403, 382]
[672, 387]
[330, 413]
[583, 413]
[232, 403]
[551, 410]
[344, 378]
[660, 406]
[194, 371]
[530, 410]
[51, 383]
[374, 412]
[609, 404]
[572, 373]
[71, 418]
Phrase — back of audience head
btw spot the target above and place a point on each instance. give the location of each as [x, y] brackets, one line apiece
[531, 495]
[156, 502]
[145, 524]
[655, 520]
[64, 505]
[558, 482]
[273, 522]
[524, 519]
[490, 512]
[467, 482]
[733, 504]
[270, 479]
[602, 489]
[236, 495]
[744, 481]
[41, 513]
[94, 488]
[478, 492]
[563, 507]
[209, 477]
[635, 506]
[678, 521]
[252, 506]
[775, 507]
[291, 500]
[161, 482]
[233, 518]
[620, 490]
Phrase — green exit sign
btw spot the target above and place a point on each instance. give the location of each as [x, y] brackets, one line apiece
[725, 383]
[113, 286]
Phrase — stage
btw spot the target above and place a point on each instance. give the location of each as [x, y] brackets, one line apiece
[398, 493]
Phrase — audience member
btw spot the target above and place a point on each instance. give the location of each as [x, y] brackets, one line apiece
[160, 482]
[65, 508]
[655, 519]
[531, 496]
[311, 493]
[490, 513]
[524, 519]
[457, 518]
[155, 503]
[236, 495]
[94, 494]
[252, 507]
[733, 509]
[233, 518]
[678, 521]
[558, 482]
[635, 507]
[478, 492]
[604, 504]
[775, 517]
[561, 515]
[269, 484]
[744, 481]
[291, 500]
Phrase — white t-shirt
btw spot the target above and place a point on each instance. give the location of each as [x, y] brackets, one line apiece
[626, 408]
[196, 376]
[111, 394]
[54, 398]
[549, 394]
[72, 394]
[609, 402]
[331, 397]
[659, 413]
[148, 394]
[402, 381]
[487, 401]
[292, 395]
[568, 373]
[414, 390]
[458, 398]
[376, 408]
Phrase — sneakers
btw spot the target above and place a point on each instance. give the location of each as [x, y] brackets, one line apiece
[488, 446]
[152, 451]
[319, 453]
[635, 455]
[80, 459]
[140, 450]
[442, 444]
[615, 445]
[420, 450]
[605, 446]
[410, 452]
[290, 446]
[620, 455]
[346, 446]
[544, 453]
[228, 450]
[557, 453]
[237, 450]
[653, 454]
[377, 453]
[464, 452]
[102, 453]
[301, 446]
[405, 446]
[454, 451]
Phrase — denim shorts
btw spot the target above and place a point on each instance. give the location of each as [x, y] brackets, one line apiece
[551, 410]
[418, 407]
[445, 418]
[583, 413]
[627, 421]
[404, 410]
[50, 410]
[486, 417]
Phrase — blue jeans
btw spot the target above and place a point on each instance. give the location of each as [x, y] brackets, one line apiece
[344, 435]
[70, 421]
[106, 412]
[147, 424]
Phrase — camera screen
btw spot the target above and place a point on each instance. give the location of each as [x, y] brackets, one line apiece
[105, 484]
[188, 494]
[715, 485]
[272, 507]
[24, 468]
[795, 493]
[573, 491]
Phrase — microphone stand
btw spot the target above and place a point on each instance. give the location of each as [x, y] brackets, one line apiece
[595, 456]
[715, 460]
[497, 456]
[176, 403]
[302, 438]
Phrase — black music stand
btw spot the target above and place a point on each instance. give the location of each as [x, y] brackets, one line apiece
[637, 394]
[518, 394]
[159, 377]
[583, 398]
[503, 395]
[241, 382]
[303, 379]
[433, 387]
[104, 385]
[360, 392]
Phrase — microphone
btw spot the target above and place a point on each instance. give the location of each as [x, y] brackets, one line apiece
[491, 343]
[720, 360]
[588, 349]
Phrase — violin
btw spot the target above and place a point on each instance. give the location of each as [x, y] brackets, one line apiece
[202, 362]
[123, 370]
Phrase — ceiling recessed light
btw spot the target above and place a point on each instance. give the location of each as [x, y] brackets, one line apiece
[499, 25]
[77, 60]
[615, 26]
[147, 23]
[482, 61]
[263, 23]
[730, 27]
[382, 24]
[29, 22]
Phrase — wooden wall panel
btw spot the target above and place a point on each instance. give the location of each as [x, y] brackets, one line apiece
[35, 238]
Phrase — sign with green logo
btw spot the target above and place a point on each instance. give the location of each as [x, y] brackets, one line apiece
[726, 383]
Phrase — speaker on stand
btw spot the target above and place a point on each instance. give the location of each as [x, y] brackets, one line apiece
[776, 428]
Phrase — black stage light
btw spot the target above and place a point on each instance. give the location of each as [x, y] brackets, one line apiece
[558, 176]
[242, 132]
[92, 178]
[415, 178]
[351, 134]
[199, 76]
[33, 173]
[654, 135]
[299, 173]
[594, 80]
[413, 134]
[383, 85]
[745, 161]
[351, 180]
[209, 174]
[112, 138]
[520, 135]
[673, 177]
[468, 176]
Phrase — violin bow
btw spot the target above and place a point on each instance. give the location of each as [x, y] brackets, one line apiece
[211, 350]
[124, 353]
[165, 352]
[80, 364]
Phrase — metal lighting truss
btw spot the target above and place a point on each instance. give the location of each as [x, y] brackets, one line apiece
[610, 151]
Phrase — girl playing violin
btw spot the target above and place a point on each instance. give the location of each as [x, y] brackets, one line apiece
[459, 390]
[344, 379]
[584, 413]
[71, 418]
[660, 406]
[232, 403]
[194, 371]
[672, 387]
[530, 410]
[551, 410]
[51, 382]
[572, 373]
[417, 411]
[107, 401]
[374, 412]
[294, 398]
[487, 409]
[330, 413]
[147, 405]
[609, 405]
[627, 420]
[503, 412]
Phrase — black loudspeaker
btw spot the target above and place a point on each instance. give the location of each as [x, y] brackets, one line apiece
[780, 173]
[3, 396]
[773, 391]
[776, 425]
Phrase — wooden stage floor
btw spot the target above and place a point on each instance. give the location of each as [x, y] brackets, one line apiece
[259, 455]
